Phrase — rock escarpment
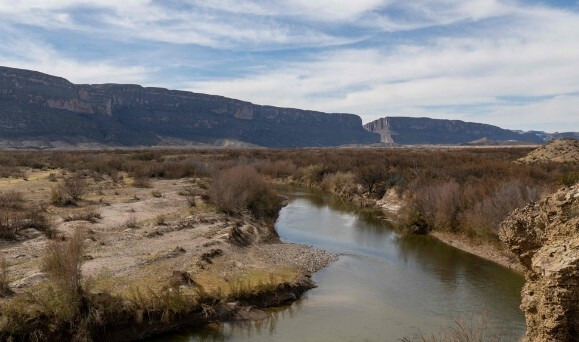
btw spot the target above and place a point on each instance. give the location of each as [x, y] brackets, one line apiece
[545, 237]
[411, 131]
[43, 111]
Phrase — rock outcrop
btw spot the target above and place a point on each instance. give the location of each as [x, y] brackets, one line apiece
[39, 110]
[545, 237]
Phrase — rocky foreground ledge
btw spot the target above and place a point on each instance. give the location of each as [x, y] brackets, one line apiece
[545, 237]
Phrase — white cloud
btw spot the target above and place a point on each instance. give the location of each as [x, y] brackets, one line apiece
[511, 49]
[26, 53]
[536, 54]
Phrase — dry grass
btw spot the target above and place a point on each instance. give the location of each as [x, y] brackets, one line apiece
[63, 261]
[87, 214]
[4, 278]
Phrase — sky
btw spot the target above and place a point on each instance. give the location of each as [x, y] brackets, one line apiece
[510, 63]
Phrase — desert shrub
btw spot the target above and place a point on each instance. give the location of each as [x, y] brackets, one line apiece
[74, 187]
[277, 169]
[340, 183]
[10, 223]
[241, 187]
[486, 213]
[177, 168]
[141, 181]
[570, 178]
[87, 214]
[7, 171]
[37, 219]
[11, 200]
[371, 176]
[190, 193]
[132, 222]
[312, 174]
[161, 220]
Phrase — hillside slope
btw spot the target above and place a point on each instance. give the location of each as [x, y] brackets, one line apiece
[560, 151]
[45, 111]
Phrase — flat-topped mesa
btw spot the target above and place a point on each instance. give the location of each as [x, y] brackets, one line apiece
[43, 107]
[414, 131]
[545, 237]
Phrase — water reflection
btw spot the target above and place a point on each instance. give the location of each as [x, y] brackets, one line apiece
[384, 285]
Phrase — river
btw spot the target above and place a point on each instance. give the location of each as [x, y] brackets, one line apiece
[383, 287]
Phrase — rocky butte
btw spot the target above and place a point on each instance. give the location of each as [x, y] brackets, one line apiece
[39, 110]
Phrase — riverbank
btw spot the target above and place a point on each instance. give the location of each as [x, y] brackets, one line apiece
[391, 205]
[481, 249]
[153, 261]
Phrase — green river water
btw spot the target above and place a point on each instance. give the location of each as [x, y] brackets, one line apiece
[383, 287]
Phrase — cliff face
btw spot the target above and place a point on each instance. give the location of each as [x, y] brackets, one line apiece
[36, 106]
[410, 131]
[545, 237]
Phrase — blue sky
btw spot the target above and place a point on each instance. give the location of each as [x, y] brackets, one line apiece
[510, 63]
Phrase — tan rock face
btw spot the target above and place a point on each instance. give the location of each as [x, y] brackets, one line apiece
[545, 237]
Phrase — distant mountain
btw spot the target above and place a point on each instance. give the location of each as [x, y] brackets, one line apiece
[557, 135]
[42, 111]
[415, 131]
[39, 110]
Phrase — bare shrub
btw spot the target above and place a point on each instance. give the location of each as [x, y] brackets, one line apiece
[190, 193]
[142, 181]
[340, 183]
[240, 188]
[37, 219]
[10, 224]
[312, 174]
[132, 222]
[487, 213]
[74, 187]
[371, 176]
[277, 169]
[11, 200]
